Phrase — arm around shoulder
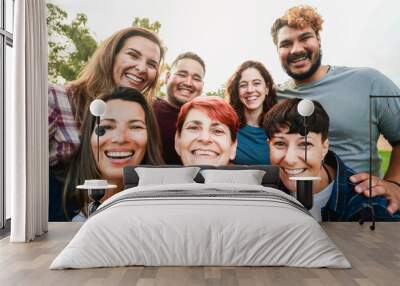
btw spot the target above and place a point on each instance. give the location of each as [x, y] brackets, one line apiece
[393, 172]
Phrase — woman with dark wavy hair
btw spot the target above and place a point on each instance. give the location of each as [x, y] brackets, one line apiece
[250, 91]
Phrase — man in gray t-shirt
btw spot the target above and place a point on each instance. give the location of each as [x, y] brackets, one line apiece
[344, 93]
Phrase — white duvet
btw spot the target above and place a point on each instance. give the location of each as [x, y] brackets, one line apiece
[224, 225]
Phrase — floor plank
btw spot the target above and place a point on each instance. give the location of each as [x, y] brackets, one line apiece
[374, 255]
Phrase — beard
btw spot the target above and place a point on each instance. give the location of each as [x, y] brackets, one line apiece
[303, 76]
[173, 100]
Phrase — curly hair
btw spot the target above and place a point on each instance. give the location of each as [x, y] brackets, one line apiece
[298, 17]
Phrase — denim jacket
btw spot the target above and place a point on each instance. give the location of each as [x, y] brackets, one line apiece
[347, 205]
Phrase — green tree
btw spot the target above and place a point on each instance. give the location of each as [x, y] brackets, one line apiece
[146, 24]
[219, 92]
[70, 44]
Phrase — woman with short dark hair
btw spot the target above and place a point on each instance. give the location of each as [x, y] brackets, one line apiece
[336, 196]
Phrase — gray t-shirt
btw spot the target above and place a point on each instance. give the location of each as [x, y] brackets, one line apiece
[344, 93]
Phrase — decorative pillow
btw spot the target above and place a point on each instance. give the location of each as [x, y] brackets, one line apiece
[164, 176]
[249, 177]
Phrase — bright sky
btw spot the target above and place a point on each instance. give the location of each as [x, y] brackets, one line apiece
[225, 32]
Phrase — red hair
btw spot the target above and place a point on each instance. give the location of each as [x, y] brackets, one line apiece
[216, 108]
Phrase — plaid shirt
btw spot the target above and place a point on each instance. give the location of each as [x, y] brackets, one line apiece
[64, 133]
[347, 205]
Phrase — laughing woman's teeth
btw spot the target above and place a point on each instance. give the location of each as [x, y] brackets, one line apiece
[251, 98]
[119, 155]
[204, 153]
[134, 78]
[294, 171]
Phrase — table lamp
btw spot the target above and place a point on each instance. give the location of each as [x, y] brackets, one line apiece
[98, 108]
[304, 185]
[96, 190]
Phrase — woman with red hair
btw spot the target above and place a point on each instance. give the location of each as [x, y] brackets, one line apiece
[206, 132]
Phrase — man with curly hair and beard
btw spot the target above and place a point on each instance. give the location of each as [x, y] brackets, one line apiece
[344, 93]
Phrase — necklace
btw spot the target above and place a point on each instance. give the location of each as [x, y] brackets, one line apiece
[329, 68]
[327, 173]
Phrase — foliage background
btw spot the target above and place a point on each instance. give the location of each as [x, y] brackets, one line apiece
[71, 44]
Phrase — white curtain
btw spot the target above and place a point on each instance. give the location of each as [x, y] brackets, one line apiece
[26, 124]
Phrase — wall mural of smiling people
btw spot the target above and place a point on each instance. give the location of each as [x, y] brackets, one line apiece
[251, 93]
[340, 194]
[206, 132]
[129, 136]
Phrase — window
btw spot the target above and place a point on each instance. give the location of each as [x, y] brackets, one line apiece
[9, 17]
[6, 44]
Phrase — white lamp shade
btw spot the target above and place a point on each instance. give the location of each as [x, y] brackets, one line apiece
[98, 107]
[305, 107]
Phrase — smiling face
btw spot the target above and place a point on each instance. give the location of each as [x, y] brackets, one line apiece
[287, 151]
[184, 81]
[125, 139]
[204, 141]
[299, 52]
[136, 64]
[252, 89]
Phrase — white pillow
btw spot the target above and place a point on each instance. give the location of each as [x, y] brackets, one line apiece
[166, 176]
[249, 177]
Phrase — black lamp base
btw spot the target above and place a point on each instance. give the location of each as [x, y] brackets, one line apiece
[304, 190]
[304, 193]
[96, 195]
[363, 215]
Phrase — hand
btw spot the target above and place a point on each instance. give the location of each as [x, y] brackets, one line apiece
[379, 188]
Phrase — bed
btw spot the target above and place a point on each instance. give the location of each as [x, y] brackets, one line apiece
[220, 217]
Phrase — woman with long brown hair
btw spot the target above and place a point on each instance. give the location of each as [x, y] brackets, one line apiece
[250, 91]
[128, 135]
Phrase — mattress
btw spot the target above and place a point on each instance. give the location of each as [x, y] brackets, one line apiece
[201, 225]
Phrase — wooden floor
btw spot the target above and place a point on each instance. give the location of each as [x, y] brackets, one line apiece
[374, 255]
